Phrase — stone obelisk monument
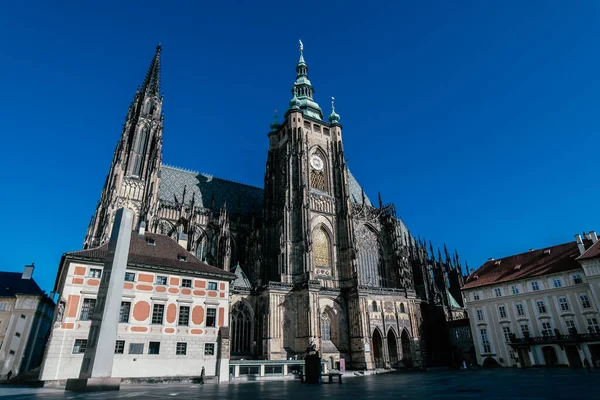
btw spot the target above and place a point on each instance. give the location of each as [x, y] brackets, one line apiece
[96, 368]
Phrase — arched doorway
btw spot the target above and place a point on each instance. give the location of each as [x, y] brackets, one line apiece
[378, 350]
[406, 353]
[392, 348]
[549, 355]
[490, 363]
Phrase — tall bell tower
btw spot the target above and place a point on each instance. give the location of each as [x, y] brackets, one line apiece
[307, 225]
[134, 173]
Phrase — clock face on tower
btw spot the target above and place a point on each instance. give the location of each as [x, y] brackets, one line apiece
[316, 162]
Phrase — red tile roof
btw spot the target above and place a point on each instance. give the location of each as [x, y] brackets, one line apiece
[165, 252]
[561, 258]
[592, 252]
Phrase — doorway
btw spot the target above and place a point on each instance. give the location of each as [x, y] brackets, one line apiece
[549, 355]
[392, 348]
[406, 353]
[378, 350]
[573, 356]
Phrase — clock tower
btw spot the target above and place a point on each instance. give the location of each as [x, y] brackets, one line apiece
[307, 229]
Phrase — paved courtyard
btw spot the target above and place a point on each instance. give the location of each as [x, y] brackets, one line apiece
[534, 384]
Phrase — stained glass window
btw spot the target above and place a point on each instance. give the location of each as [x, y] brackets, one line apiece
[321, 248]
[325, 327]
[371, 270]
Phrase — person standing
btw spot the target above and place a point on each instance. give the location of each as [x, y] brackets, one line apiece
[202, 376]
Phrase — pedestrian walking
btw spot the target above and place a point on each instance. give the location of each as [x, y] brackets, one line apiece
[202, 376]
[9, 375]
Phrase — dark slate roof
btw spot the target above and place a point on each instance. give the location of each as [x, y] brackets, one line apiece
[241, 280]
[545, 261]
[592, 252]
[164, 253]
[205, 187]
[12, 284]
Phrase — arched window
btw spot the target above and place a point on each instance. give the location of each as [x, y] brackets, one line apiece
[142, 141]
[371, 271]
[374, 305]
[321, 248]
[325, 327]
[318, 172]
[206, 251]
[241, 328]
[402, 309]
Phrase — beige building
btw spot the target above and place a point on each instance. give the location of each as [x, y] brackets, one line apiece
[173, 320]
[25, 318]
[539, 307]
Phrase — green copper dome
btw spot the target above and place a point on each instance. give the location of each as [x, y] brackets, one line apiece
[274, 125]
[303, 91]
[334, 118]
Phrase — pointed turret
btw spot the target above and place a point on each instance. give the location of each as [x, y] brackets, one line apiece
[303, 91]
[334, 117]
[151, 85]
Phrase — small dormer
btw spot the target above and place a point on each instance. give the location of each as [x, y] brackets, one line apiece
[517, 267]
[497, 262]
[182, 258]
[547, 251]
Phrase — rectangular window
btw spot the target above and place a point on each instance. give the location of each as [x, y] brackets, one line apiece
[87, 309]
[211, 314]
[507, 332]
[502, 311]
[184, 316]
[557, 283]
[485, 341]
[546, 329]
[520, 310]
[120, 347]
[154, 348]
[475, 296]
[511, 354]
[515, 290]
[577, 279]
[129, 276]
[541, 307]
[157, 314]
[585, 301]
[524, 329]
[186, 283]
[498, 292]
[212, 285]
[94, 273]
[136, 348]
[209, 349]
[79, 346]
[273, 369]
[181, 349]
[479, 315]
[3, 306]
[161, 280]
[535, 286]
[564, 306]
[593, 325]
[570, 324]
[124, 313]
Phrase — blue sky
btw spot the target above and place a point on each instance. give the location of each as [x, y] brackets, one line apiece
[479, 120]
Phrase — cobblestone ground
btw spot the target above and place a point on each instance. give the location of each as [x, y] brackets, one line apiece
[513, 384]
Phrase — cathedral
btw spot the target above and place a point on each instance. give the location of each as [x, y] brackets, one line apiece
[315, 260]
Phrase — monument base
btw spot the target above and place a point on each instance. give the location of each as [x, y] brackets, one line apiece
[93, 384]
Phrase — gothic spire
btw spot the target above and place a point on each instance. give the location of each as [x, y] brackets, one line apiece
[151, 83]
[304, 91]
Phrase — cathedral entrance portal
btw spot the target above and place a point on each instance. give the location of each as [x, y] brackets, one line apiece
[392, 348]
[406, 354]
[378, 350]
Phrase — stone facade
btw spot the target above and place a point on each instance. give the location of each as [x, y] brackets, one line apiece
[316, 261]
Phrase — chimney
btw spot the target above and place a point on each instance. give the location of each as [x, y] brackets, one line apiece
[593, 237]
[182, 239]
[580, 244]
[142, 228]
[28, 271]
